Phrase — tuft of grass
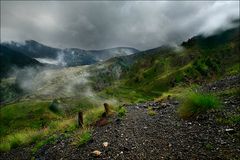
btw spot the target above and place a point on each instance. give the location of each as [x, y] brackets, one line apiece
[196, 103]
[151, 112]
[84, 137]
[121, 111]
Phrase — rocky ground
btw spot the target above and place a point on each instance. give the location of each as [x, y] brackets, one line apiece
[164, 135]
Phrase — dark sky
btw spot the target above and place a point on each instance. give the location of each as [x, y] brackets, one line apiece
[97, 25]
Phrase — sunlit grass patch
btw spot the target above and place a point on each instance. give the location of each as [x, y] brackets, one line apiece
[20, 138]
[28, 136]
[92, 115]
[151, 112]
[196, 103]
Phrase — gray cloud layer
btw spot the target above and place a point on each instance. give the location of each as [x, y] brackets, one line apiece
[97, 25]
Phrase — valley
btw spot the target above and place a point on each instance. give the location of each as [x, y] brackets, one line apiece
[166, 103]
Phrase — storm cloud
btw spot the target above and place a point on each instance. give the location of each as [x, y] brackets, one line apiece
[97, 25]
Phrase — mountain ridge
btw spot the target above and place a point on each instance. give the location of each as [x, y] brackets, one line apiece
[68, 56]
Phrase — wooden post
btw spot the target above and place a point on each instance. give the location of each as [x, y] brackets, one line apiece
[168, 97]
[80, 119]
[107, 109]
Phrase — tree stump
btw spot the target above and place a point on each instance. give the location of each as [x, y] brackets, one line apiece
[80, 119]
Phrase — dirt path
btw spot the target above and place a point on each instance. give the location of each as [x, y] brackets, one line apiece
[162, 136]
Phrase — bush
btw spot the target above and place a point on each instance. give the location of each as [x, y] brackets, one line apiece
[55, 106]
[196, 103]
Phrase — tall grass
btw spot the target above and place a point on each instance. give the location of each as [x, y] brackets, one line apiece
[20, 138]
[196, 103]
[26, 136]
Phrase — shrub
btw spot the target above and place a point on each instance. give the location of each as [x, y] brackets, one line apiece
[196, 103]
[55, 106]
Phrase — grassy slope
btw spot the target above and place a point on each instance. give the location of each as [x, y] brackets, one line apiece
[34, 119]
[155, 71]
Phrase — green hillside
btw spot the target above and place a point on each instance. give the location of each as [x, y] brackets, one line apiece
[152, 72]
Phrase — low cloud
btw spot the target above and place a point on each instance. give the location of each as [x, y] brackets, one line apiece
[97, 25]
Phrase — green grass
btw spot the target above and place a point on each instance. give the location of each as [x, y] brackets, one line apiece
[151, 112]
[196, 103]
[83, 137]
[26, 114]
[233, 70]
[125, 93]
[20, 138]
[32, 121]
[92, 115]
[41, 143]
[121, 111]
[27, 136]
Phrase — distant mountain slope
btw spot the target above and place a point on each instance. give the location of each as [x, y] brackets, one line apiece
[10, 58]
[33, 49]
[155, 71]
[68, 56]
